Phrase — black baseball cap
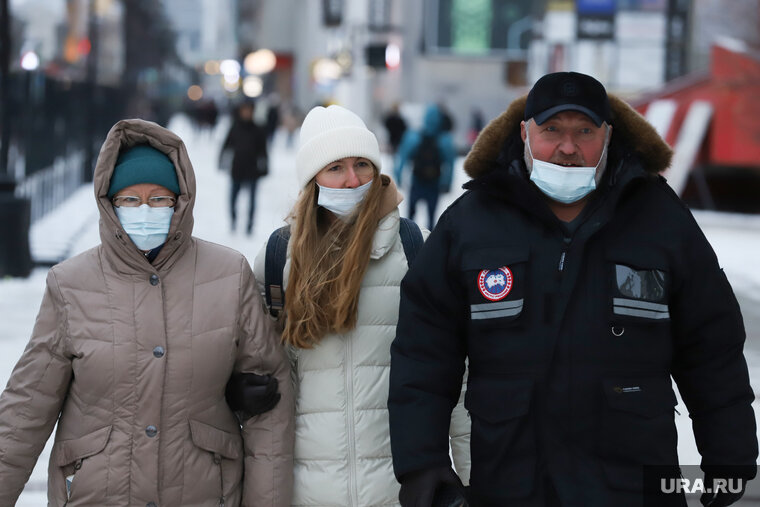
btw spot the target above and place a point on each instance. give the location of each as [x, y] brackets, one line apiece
[568, 91]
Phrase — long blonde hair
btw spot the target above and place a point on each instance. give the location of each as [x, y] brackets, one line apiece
[327, 264]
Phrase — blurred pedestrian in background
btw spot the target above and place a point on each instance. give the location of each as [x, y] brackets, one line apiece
[447, 121]
[432, 153]
[476, 125]
[346, 256]
[132, 349]
[395, 125]
[291, 120]
[272, 116]
[248, 143]
[576, 283]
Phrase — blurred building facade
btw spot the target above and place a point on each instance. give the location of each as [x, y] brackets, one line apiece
[75, 68]
[60, 35]
[485, 53]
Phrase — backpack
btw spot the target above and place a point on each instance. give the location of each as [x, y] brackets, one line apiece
[277, 248]
[427, 160]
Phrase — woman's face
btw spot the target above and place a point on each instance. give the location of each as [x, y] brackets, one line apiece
[349, 172]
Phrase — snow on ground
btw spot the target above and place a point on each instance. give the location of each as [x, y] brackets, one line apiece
[72, 228]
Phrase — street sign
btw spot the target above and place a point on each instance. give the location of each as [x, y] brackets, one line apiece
[596, 26]
[596, 7]
[596, 19]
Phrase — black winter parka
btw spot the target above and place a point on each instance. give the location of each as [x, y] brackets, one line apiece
[572, 338]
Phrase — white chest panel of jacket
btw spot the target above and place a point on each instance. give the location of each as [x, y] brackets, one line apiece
[342, 450]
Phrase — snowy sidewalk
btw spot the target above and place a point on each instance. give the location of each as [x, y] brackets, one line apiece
[73, 228]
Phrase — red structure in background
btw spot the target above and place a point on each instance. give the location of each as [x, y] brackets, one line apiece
[732, 86]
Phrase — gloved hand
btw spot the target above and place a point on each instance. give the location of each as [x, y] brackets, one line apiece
[731, 491]
[418, 489]
[252, 394]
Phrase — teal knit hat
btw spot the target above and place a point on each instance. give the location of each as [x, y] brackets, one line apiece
[143, 164]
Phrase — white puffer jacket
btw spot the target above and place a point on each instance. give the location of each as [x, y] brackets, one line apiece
[342, 451]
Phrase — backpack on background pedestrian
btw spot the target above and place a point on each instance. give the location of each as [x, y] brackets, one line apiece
[432, 154]
[132, 351]
[477, 122]
[332, 277]
[248, 143]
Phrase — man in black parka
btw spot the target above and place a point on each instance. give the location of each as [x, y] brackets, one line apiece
[576, 283]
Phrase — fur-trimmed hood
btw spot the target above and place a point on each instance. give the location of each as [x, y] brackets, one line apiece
[630, 130]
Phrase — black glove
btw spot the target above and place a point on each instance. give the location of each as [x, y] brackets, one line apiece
[432, 488]
[731, 491]
[450, 495]
[251, 394]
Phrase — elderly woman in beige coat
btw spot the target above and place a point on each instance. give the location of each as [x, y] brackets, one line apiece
[132, 349]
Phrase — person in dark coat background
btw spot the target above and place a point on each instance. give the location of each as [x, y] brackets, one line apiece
[576, 283]
[248, 142]
[396, 126]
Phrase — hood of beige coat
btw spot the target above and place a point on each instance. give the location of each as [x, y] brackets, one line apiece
[627, 126]
[126, 256]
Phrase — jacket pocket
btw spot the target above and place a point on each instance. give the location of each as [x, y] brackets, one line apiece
[503, 438]
[73, 458]
[637, 428]
[226, 450]
[639, 287]
[495, 280]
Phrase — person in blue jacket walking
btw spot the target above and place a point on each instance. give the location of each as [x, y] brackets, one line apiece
[432, 154]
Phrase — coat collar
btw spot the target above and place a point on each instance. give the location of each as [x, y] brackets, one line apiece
[388, 227]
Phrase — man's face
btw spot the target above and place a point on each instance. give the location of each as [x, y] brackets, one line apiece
[568, 138]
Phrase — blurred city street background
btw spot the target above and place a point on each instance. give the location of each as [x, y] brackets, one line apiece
[69, 69]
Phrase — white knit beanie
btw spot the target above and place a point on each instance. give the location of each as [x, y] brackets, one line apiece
[329, 134]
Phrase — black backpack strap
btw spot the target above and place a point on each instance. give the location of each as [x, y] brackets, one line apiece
[411, 239]
[274, 264]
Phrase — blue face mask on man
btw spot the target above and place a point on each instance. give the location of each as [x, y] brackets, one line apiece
[146, 226]
[562, 183]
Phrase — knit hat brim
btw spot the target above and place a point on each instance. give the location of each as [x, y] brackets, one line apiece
[143, 164]
[334, 145]
[329, 134]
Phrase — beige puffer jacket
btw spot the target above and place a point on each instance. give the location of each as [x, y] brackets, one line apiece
[135, 358]
[342, 451]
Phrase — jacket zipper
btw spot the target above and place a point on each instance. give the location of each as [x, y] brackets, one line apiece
[563, 256]
[350, 424]
[218, 461]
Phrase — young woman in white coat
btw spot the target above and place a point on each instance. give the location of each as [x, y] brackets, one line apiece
[344, 265]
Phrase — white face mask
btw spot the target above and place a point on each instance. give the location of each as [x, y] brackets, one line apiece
[342, 201]
[147, 227]
[561, 183]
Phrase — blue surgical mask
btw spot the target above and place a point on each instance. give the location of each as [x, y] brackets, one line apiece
[561, 183]
[147, 227]
[342, 201]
